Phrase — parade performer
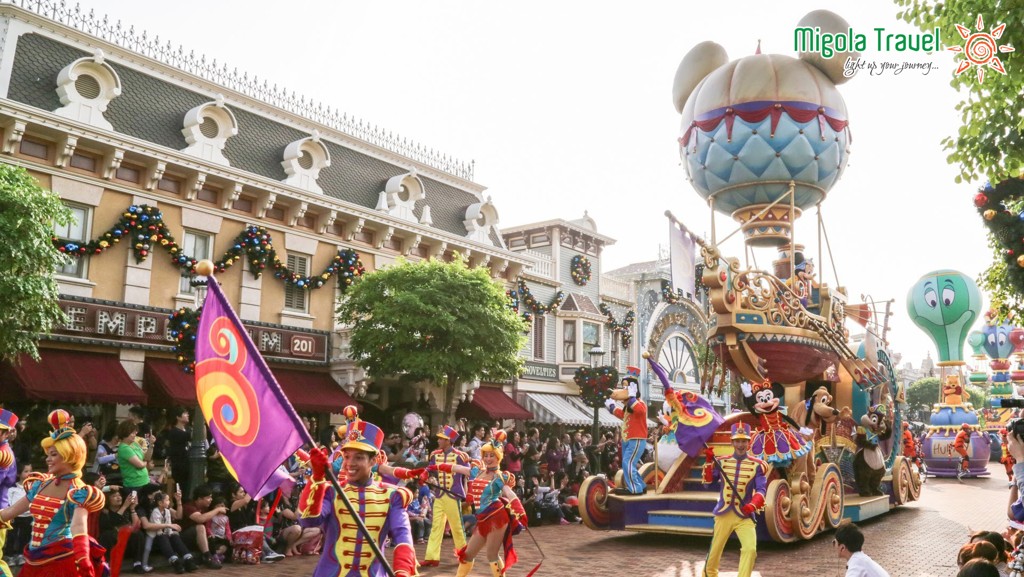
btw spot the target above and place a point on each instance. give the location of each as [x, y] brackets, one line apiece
[383, 507]
[60, 504]
[1006, 459]
[634, 430]
[449, 493]
[742, 494]
[499, 513]
[381, 471]
[962, 444]
[8, 475]
[910, 445]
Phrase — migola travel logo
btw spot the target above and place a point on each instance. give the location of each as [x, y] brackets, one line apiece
[980, 49]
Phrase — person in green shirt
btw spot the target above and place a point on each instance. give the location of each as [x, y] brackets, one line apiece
[134, 462]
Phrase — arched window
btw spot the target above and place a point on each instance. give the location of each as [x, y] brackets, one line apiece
[677, 358]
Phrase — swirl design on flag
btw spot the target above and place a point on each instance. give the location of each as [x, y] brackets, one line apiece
[691, 415]
[225, 395]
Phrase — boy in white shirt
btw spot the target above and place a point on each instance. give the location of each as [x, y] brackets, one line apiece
[849, 541]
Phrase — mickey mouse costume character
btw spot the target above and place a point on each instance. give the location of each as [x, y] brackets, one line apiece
[634, 430]
[773, 440]
[742, 495]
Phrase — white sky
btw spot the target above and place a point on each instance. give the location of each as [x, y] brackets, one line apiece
[566, 106]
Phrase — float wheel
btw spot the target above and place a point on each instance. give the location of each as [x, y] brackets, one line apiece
[778, 503]
[593, 503]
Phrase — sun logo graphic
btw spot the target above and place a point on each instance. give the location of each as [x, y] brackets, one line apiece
[980, 49]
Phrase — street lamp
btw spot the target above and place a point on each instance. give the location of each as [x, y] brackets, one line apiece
[596, 354]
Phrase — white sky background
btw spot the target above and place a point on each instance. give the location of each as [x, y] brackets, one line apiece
[566, 106]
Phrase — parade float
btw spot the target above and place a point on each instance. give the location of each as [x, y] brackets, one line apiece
[763, 139]
[1005, 378]
[945, 304]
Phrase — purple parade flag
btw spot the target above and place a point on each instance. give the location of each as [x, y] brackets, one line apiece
[255, 426]
[697, 419]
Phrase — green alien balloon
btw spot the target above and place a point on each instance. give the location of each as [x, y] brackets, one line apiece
[945, 303]
[976, 340]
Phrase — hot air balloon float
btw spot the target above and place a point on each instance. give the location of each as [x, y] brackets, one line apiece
[1006, 375]
[945, 304]
[764, 138]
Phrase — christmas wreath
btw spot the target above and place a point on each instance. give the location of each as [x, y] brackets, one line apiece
[579, 268]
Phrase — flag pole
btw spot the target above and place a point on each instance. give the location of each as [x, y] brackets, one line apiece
[206, 268]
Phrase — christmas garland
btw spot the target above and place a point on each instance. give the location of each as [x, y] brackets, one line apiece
[625, 328]
[579, 268]
[594, 384]
[183, 326]
[527, 298]
[999, 208]
[144, 226]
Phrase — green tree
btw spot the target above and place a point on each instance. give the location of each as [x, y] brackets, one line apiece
[923, 393]
[28, 260]
[989, 142]
[433, 321]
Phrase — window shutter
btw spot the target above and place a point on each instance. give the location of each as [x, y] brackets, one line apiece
[295, 297]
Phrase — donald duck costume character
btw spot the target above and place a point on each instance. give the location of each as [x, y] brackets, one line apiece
[60, 504]
[382, 508]
[634, 430]
[742, 494]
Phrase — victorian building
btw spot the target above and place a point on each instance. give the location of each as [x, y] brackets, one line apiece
[165, 159]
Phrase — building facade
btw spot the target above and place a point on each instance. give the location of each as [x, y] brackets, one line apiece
[165, 159]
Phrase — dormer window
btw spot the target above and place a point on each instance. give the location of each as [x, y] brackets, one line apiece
[303, 161]
[207, 129]
[480, 217]
[400, 195]
[86, 87]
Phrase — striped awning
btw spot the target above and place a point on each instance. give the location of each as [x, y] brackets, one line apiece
[548, 408]
[604, 418]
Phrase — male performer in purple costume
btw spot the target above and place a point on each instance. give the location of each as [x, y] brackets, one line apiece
[382, 508]
[8, 474]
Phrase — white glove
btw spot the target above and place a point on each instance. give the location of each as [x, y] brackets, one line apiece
[807, 432]
[747, 390]
[609, 404]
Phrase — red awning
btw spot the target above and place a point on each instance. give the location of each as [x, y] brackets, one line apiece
[313, 392]
[493, 403]
[167, 384]
[74, 377]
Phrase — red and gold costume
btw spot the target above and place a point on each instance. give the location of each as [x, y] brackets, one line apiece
[1006, 458]
[447, 508]
[910, 445]
[962, 444]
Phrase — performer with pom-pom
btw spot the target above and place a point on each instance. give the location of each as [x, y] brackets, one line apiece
[742, 495]
[60, 504]
[499, 514]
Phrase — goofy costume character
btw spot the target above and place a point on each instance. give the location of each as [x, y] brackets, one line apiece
[634, 430]
[499, 513]
[8, 475]
[381, 507]
[742, 495]
[449, 493]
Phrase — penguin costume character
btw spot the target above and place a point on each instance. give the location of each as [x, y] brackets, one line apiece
[634, 430]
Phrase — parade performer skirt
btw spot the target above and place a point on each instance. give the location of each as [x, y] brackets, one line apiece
[58, 560]
[494, 517]
[778, 446]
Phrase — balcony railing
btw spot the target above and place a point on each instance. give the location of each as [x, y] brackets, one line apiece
[617, 289]
[545, 267]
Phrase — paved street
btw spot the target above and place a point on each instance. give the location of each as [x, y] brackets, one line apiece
[919, 540]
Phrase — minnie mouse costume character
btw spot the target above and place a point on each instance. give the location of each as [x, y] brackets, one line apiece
[774, 442]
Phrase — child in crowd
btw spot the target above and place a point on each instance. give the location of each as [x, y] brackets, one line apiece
[165, 534]
[21, 526]
[218, 530]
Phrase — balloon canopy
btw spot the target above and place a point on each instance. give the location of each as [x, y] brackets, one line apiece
[976, 340]
[997, 342]
[944, 304]
[753, 125]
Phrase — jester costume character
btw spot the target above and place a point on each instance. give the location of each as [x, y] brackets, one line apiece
[447, 509]
[499, 514]
[742, 494]
[634, 430]
[8, 475]
[60, 504]
[381, 507]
